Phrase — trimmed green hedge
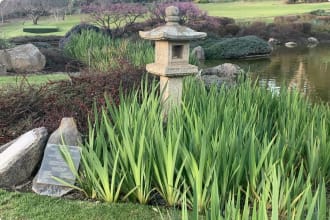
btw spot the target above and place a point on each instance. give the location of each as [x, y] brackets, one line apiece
[40, 29]
[236, 47]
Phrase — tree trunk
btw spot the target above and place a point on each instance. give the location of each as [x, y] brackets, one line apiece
[2, 17]
[35, 20]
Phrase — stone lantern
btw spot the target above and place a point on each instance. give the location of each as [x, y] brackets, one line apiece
[171, 55]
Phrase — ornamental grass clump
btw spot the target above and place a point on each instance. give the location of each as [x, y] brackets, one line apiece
[102, 53]
[240, 152]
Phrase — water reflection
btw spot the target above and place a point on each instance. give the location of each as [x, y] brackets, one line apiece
[307, 69]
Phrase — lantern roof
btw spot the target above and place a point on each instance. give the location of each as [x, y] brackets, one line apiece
[172, 30]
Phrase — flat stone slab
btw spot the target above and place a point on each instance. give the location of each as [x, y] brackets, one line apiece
[54, 165]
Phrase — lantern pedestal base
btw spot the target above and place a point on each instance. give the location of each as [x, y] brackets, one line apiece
[171, 88]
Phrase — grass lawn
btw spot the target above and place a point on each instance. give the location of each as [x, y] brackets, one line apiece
[34, 79]
[239, 10]
[14, 205]
[15, 27]
[255, 10]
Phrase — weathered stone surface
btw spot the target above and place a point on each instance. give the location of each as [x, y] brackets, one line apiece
[171, 55]
[312, 40]
[224, 70]
[290, 44]
[225, 73]
[273, 42]
[4, 62]
[3, 70]
[19, 160]
[53, 164]
[67, 132]
[23, 58]
[199, 53]
[5, 146]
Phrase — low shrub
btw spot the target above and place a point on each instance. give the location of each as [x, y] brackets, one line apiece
[237, 47]
[4, 44]
[25, 107]
[320, 12]
[40, 29]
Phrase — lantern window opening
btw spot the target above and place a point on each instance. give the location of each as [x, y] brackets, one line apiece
[177, 51]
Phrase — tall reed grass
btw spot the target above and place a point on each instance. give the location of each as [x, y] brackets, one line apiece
[100, 52]
[229, 153]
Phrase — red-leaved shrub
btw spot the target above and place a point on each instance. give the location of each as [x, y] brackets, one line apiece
[26, 107]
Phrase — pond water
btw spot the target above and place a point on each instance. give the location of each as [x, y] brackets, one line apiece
[307, 69]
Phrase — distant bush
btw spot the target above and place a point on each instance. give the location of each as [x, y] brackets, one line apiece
[4, 44]
[283, 32]
[238, 47]
[320, 12]
[40, 29]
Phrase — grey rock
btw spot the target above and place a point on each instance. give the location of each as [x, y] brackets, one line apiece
[199, 53]
[19, 160]
[4, 62]
[290, 44]
[226, 73]
[3, 69]
[228, 70]
[23, 58]
[5, 146]
[273, 42]
[67, 134]
[312, 40]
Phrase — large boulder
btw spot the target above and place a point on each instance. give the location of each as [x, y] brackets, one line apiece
[53, 164]
[23, 58]
[19, 159]
[236, 47]
[226, 73]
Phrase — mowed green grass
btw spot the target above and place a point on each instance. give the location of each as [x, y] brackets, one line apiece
[14, 205]
[15, 27]
[255, 10]
[34, 79]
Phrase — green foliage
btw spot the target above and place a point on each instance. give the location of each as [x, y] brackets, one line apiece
[102, 53]
[236, 152]
[40, 29]
[237, 47]
[4, 44]
[320, 12]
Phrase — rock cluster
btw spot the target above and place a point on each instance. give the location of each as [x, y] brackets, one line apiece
[20, 157]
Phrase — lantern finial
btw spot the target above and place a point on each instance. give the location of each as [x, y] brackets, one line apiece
[172, 15]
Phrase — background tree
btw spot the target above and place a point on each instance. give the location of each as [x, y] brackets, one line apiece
[34, 9]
